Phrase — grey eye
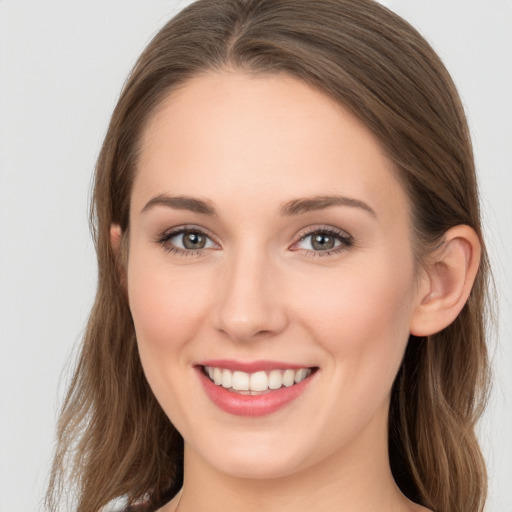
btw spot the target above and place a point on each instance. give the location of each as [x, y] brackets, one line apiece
[322, 242]
[191, 240]
[319, 242]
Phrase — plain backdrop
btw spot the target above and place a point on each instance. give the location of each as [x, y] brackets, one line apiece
[62, 64]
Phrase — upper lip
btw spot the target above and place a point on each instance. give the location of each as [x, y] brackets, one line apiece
[252, 366]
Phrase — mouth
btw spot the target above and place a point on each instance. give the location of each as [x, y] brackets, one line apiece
[255, 383]
[254, 389]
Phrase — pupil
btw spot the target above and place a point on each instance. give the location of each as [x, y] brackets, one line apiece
[194, 241]
[323, 242]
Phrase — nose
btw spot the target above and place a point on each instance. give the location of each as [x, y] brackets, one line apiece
[250, 303]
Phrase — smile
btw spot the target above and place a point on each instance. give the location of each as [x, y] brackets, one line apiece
[257, 382]
[254, 389]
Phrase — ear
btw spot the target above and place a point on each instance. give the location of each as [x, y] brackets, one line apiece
[447, 281]
[115, 239]
[116, 243]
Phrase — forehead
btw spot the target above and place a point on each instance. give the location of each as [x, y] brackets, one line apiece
[260, 138]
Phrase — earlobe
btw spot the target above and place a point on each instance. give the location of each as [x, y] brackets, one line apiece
[116, 243]
[115, 238]
[449, 276]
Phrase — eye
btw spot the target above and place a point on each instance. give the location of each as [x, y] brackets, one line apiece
[191, 240]
[188, 241]
[326, 241]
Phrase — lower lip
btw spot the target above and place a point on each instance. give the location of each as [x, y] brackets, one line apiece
[252, 405]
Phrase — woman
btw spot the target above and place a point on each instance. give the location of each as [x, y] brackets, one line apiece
[292, 276]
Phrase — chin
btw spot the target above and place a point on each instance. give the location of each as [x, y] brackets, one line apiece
[257, 466]
[257, 455]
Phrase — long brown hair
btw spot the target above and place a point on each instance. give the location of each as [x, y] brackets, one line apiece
[113, 437]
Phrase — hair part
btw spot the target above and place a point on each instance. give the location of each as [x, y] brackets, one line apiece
[113, 437]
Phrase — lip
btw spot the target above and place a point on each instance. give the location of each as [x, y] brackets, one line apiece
[252, 405]
[252, 366]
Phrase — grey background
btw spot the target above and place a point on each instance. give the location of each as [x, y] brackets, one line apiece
[62, 65]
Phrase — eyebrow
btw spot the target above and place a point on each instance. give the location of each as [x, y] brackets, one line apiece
[181, 203]
[293, 207]
[309, 204]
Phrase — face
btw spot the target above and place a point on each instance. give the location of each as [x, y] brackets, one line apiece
[269, 253]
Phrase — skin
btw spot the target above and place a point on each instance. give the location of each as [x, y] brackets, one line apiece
[259, 290]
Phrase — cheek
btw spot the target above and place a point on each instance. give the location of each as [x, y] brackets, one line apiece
[362, 315]
[361, 321]
[166, 305]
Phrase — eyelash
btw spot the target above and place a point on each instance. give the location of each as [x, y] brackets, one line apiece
[163, 240]
[346, 241]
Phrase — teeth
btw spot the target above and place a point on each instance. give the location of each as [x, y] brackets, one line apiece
[288, 378]
[227, 379]
[240, 381]
[258, 381]
[300, 375]
[275, 379]
[217, 376]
